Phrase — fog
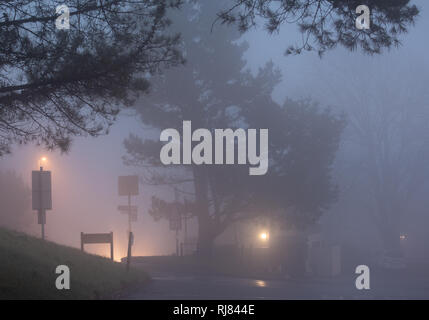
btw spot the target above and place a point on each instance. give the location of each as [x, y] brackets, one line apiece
[84, 180]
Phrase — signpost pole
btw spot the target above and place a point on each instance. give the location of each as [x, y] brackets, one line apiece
[128, 186]
[43, 224]
[130, 243]
[129, 213]
[42, 216]
[111, 246]
[130, 233]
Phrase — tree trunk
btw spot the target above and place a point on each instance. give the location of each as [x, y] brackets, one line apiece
[206, 234]
[205, 238]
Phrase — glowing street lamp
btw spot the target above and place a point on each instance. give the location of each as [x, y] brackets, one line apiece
[264, 236]
[42, 161]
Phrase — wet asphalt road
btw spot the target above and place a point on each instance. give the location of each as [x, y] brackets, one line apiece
[165, 286]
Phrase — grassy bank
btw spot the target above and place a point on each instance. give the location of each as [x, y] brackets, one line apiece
[27, 271]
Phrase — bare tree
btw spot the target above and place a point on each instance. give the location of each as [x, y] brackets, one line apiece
[385, 151]
[214, 90]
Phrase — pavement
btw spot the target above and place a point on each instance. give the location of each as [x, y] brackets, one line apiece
[171, 286]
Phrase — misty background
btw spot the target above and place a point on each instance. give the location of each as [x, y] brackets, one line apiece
[85, 179]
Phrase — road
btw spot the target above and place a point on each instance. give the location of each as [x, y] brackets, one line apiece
[174, 287]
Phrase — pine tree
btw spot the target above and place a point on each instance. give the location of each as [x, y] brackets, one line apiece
[214, 90]
[58, 83]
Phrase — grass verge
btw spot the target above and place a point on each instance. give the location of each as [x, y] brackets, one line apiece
[27, 271]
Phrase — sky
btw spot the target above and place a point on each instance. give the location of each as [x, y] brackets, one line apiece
[85, 179]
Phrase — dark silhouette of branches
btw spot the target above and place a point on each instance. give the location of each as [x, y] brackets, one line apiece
[325, 24]
[55, 84]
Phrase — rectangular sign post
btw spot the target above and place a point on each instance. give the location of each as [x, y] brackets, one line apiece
[88, 238]
[41, 195]
[129, 186]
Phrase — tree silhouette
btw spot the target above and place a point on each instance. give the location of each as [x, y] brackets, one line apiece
[325, 24]
[214, 91]
[383, 160]
[58, 83]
